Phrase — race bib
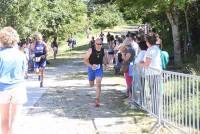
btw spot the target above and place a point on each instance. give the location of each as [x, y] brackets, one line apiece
[37, 59]
[97, 66]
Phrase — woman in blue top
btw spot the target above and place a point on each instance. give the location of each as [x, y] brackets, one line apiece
[12, 88]
[40, 51]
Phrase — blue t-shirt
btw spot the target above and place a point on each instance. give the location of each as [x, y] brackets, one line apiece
[12, 67]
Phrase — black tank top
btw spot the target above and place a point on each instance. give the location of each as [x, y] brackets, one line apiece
[97, 56]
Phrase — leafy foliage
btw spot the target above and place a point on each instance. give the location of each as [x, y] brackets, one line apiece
[106, 16]
[161, 15]
[51, 17]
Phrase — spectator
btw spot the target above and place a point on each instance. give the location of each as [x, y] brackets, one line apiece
[153, 60]
[23, 48]
[12, 91]
[132, 40]
[138, 73]
[128, 54]
[153, 53]
[54, 46]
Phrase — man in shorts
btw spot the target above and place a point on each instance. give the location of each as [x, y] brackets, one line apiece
[94, 59]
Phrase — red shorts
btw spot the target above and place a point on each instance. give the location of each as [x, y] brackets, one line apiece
[128, 80]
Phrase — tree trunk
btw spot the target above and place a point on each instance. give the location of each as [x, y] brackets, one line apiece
[188, 35]
[174, 21]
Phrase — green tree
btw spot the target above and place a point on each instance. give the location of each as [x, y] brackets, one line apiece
[51, 17]
[171, 8]
[106, 16]
[64, 17]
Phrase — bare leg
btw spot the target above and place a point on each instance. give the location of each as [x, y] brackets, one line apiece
[37, 71]
[54, 52]
[14, 114]
[91, 83]
[41, 76]
[98, 90]
[5, 118]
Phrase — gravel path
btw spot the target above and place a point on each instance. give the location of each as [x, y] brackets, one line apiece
[66, 105]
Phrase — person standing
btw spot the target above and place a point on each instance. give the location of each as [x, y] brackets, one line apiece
[22, 47]
[128, 54]
[54, 46]
[40, 51]
[153, 60]
[134, 44]
[152, 56]
[12, 87]
[94, 59]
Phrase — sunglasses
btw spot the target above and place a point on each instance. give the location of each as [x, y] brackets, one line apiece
[98, 44]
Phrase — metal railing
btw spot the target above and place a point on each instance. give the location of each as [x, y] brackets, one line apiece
[173, 98]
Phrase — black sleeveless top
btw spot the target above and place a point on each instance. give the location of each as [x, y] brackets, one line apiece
[97, 56]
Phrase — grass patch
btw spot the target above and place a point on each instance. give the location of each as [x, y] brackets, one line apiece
[79, 48]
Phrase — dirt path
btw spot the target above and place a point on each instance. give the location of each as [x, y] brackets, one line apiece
[66, 104]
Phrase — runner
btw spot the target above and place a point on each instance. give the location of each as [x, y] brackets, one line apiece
[94, 59]
[12, 91]
[92, 42]
[101, 36]
[40, 50]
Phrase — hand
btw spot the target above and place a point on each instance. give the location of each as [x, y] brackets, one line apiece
[43, 56]
[106, 67]
[141, 63]
[94, 67]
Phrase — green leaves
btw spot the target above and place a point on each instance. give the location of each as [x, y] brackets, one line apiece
[49, 17]
[106, 16]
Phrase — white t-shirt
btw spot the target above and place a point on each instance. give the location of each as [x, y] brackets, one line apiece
[135, 46]
[154, 54]
[140, 57]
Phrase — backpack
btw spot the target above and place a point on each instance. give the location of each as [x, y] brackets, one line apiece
[164, 56]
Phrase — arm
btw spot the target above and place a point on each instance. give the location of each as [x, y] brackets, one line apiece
[86, 58]
[46, 50]
[32, 47]
[126, 56]
[145, 63]
[105, 58]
